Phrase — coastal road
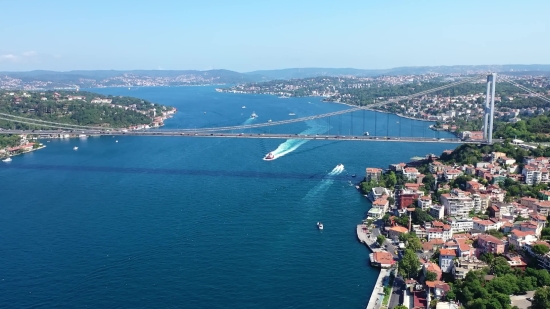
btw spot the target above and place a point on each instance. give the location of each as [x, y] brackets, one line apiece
[397, 294]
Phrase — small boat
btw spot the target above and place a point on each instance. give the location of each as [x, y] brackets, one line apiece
[8, 159]
[320, 225]
[366, 133]
[353, 175]
[269, 156]
[253, 116]
[340, 165]
[75, 148]
[292, 114]
[269, 120]
[116, 141]
[205, 112]
[244, 106]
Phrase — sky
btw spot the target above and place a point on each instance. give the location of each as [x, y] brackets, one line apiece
[246, 35]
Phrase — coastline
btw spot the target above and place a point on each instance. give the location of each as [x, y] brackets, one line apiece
[17, 154]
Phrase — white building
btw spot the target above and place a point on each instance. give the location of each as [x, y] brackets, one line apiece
[457, 203]
[459, 225]
[446, 258]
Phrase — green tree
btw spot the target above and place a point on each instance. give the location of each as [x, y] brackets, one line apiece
[391, 179]
[409, 265]
[380, 239]
[414, 244]
[540, 249]
[431, 276]
[541, 300]
[400, 307]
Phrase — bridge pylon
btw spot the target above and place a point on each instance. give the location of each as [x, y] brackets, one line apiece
[489, 111]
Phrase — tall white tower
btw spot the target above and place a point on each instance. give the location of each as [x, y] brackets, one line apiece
[489, 113]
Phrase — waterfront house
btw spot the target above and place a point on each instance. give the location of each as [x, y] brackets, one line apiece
[378, 192]
[382, 259]
[373, 174]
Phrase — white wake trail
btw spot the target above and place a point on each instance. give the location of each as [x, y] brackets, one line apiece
[291, 145]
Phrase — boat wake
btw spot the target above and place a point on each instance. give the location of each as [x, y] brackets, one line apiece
[325, 183]
[291, 145]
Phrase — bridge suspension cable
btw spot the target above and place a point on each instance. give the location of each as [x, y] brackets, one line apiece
[540, 96]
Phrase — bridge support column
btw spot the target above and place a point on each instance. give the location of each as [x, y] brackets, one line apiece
[488, 116]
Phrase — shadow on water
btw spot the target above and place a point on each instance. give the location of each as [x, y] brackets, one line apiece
[188, 172]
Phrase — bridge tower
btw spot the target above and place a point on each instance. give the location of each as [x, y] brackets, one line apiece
[489, 111]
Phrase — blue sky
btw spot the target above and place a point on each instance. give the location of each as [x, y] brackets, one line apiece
[245, 35]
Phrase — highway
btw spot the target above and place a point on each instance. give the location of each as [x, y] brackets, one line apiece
[199, 133]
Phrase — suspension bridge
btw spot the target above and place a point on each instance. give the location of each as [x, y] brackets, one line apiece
[240, 131]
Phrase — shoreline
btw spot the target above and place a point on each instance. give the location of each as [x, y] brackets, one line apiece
[17, 154]
[343, 103]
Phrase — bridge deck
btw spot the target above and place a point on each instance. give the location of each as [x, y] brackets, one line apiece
[253, 135]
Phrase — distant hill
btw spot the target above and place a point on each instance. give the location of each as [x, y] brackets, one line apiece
[131, 78]
[115, 78]
[543, 69]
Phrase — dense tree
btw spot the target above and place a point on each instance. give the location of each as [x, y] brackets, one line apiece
[431, 276]
[541, 300]
[380, 239]
[409, 265]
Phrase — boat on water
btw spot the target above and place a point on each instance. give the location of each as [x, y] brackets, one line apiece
[366, 133]
[340, 165]
[75, 148]
[244, 106]
[353, 175]
[8, 159]
[269, 156]
[116, 141]
[253, 116]
[292, 114]
[269, 120]
[320, 225]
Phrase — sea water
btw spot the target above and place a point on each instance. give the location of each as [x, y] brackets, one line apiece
[174, 222]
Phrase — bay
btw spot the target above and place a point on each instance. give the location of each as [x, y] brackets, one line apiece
[178, 222]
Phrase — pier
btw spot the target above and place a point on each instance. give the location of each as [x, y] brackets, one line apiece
[377, 296]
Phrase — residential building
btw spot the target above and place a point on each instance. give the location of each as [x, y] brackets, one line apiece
[459, 225]
[490, 244]
[457, 203]
[378, 192]
[463, 265]
[446, 258]
[519, 238]
[373, 174]
[382, 259]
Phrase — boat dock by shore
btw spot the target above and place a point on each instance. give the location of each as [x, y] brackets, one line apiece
[377, 296]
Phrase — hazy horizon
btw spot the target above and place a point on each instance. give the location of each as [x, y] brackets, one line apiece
[246, 36]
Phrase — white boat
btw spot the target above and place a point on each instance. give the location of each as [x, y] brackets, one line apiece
[244, 106]
[253, 116]
[75, 148]
[320, 225]
[116, 141]
[269, 120]
[366, 133]
[292, 114]
[340, 165]
[270, 156]
[8, 159]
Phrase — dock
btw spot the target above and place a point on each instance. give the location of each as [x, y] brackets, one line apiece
[377, 296]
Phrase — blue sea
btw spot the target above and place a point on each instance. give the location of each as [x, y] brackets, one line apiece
[174, 222]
